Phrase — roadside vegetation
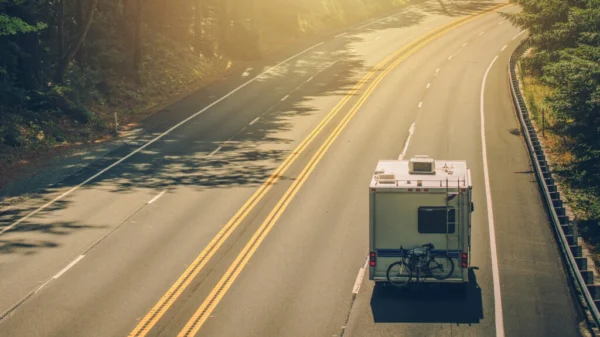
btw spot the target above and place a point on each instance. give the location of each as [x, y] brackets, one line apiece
[561, 79]
[66, 66]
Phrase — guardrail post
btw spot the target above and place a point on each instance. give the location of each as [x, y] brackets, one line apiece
[582, 263]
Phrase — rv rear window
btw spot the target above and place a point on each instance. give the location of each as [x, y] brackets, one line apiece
[432, 220]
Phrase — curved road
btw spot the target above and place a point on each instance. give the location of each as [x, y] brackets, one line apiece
[249, 218]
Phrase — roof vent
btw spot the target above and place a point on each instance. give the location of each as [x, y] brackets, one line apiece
[386, 178]
[421, 165]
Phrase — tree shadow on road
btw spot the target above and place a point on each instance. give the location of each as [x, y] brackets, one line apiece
[446, 304]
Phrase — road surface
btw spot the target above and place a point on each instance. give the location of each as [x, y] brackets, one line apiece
[243, 212]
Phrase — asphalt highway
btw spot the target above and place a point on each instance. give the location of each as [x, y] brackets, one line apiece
[243, 210]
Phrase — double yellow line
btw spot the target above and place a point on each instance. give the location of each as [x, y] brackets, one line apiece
[209, 304]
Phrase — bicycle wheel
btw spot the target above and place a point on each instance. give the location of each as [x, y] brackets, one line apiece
[398, 274]
[440, 267]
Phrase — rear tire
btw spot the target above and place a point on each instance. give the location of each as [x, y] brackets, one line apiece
[440, 267]
[397, 270]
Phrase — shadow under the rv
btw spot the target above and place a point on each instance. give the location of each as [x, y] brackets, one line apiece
[449, 303]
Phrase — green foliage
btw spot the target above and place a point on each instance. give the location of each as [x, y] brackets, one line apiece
[13, 26]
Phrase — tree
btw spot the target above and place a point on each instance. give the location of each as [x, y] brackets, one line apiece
[66, 57]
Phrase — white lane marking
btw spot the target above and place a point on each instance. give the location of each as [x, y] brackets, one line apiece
[501, 22]
[428, 85]
[340, 35]
[504, 47]
[420, 104]
[254, 120]
[490, 212]
[69, 266]
[215, 151]
[320, 71]
[32, 213]
[438, 70]
[464, 44]
[516, 36]
[285, 97]
[359, 277]
[411, 130]
[157, 197]
[246, 72]
[480, 34]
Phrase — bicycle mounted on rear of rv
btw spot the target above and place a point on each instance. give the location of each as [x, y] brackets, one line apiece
[420, 263]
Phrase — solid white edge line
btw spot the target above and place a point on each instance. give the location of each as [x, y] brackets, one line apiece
[516, 36]
[285, 97]
[340, 35]
[65, 269]
[490, 213]
[215, 151]
[157, 196]
[254, 120]
[11, 226]
[411, 130]
[504, 47]
[360, 277]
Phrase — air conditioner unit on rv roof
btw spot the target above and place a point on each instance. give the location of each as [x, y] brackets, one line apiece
[421, 165]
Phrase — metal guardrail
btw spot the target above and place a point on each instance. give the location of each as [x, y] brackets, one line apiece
[561, 222]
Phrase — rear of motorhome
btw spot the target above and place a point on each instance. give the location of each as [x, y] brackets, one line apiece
[419, 201]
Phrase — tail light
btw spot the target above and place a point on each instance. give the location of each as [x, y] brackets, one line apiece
[464, 260]
[372, 259]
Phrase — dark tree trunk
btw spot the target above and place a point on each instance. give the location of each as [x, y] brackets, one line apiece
[198, 27]
[79, 18]
[137, 38]
[68, 56]
[60, 20]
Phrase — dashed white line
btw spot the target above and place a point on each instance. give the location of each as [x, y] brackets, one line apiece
[157, 197]
[215, 151]
[516, 36]
[69, 266]
[411, 130]
[41, 208]
[254, 120]
[340, 35]
[504, 47]
[359, 277]
[464, 44]
[285, 97]
[480, 34]
[310, 79]
[420, 104]
[428, 85]
[438, 70]
[374, 22]
[490, 213]
[501, 22]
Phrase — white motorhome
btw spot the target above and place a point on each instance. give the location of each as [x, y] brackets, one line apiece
[419, 201]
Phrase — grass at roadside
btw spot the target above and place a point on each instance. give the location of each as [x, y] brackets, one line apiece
[583, 201]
